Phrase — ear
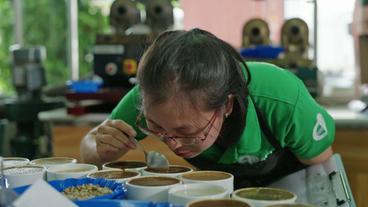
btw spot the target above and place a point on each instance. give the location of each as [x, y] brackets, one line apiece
[229, 105]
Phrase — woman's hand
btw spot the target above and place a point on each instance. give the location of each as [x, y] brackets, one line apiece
[113, 139]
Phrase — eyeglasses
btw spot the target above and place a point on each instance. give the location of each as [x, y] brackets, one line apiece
[185, 141]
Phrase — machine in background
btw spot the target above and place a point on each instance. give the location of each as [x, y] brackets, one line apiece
[23, 133]
[292, 54]
[116, 55]
[255, 32]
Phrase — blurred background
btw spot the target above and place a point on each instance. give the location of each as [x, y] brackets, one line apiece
[65, 64]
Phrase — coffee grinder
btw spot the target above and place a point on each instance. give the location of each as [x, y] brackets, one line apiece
[32, 137]
[116, 55]
[295, 40]
[255, 32]
[292, 53]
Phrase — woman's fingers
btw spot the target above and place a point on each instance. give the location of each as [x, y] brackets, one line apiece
[116, 134]
[106, 147]
[124, 127]
[106, 151]
[110, 141]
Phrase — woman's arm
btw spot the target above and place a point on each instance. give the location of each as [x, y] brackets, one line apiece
[320, 158]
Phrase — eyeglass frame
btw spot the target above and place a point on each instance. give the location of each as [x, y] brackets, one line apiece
[166, 138]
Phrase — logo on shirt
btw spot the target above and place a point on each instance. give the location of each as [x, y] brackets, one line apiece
[250, 159]
[320, 128]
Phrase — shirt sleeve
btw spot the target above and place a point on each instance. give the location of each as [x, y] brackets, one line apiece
[312, 129]
[128, 109]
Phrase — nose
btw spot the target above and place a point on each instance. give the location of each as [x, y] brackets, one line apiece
[172, 144]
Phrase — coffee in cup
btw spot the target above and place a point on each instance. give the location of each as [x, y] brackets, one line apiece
[172, 171]
[218, 203]
[116, 175]
[215, 177]
[154, 181]
[126, 164]
[264, 196]
[52, 161]
[23, 175]
[150, 188]
[207, 175]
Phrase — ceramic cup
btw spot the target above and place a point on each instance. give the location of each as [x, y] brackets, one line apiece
[23, 175]
[224, 202]
[260, 197]
[151, 188]
[15, 161]
[173, 171]
[183, 194]
[120, 176]
[292, 205]
[220, 178]
[126, 164]
[77, 170]
[52, 161]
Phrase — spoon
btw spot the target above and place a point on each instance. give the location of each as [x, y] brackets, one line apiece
[153, 159]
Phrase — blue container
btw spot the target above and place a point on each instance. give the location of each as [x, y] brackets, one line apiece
[84, 86]
[262, 52]
[116, 199]
[122, 203]
[118, 189]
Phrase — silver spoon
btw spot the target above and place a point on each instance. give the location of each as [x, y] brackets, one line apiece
[153, 159]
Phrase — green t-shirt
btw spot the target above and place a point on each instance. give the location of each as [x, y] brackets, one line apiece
[295, 118]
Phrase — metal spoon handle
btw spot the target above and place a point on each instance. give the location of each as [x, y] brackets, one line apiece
[140, 146]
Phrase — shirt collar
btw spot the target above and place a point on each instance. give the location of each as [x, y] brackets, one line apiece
[250, 140]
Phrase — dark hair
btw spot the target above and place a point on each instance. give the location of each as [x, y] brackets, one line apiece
[201, 67]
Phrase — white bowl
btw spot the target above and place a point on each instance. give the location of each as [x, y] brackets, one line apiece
[150, 191]
[52, 161]
[77, 170]
[183, 194]
[292, 205]
[23, 175]
[15, 161]
[218, 202]
[219, 178]
[262, 196]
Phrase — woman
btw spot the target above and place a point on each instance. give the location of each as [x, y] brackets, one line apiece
[195, 93]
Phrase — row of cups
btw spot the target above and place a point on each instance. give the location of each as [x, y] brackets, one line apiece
[20, 171]
[179, 185]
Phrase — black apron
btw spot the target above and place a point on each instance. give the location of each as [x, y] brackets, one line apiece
[278, 164]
